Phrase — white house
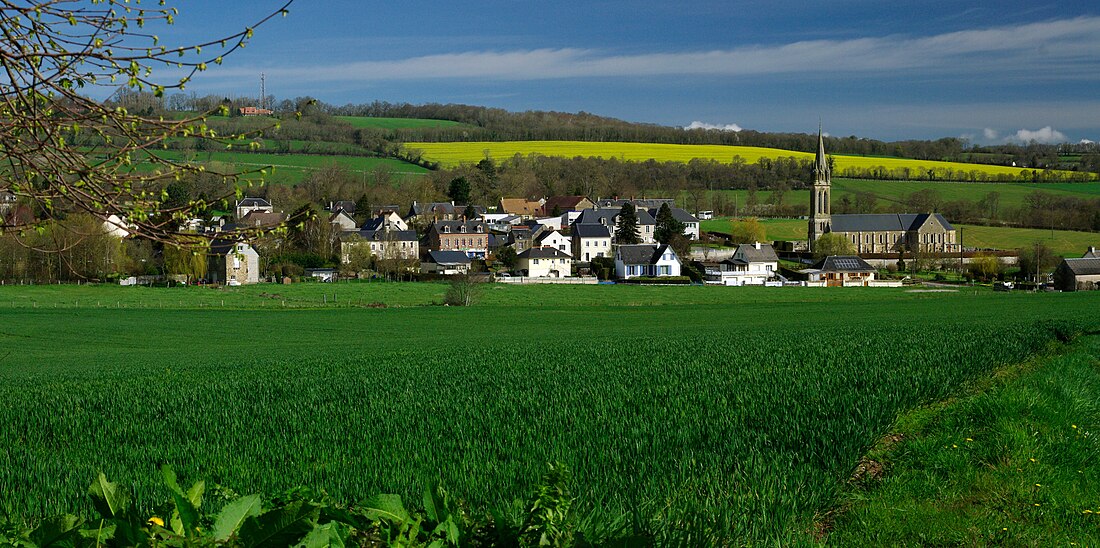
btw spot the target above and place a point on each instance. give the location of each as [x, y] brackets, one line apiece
[116, 226]
[632, 261]
[383, 244]
[691, 223]
[387, 220]
[341, 221]
[591, 241]
[751, 264]
[545, 262]
[554, 239]
[610, 218]
[248, 205]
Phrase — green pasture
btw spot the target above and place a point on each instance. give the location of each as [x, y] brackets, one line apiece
[452, 154]
[1008, 195]
[363, 122]
[294, 168]
[677, 405]
[1066, 243]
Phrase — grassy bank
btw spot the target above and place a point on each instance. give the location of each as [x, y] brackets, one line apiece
[1017, 464]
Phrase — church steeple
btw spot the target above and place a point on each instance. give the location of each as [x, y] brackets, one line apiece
[820, 208]
[821, 162]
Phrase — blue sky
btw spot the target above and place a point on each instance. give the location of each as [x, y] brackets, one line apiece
[990, 71]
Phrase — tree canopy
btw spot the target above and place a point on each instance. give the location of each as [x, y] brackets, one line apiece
[832, 243]
[626, 231]
[66, 152]
[668, 227]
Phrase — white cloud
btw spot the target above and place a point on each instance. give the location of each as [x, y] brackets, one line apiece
[1019, 48]
[990, 134]
[704, 125]
[1087, 142]
[1046, 135]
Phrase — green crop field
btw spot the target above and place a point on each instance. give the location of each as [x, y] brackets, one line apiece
[681, 404]
[360, 122]
[452, 154]
[293, 168]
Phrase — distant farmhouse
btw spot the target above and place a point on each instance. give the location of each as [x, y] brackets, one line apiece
[874, 233]
[255, 111]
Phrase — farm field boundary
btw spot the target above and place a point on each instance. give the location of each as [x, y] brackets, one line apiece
[1015, 464]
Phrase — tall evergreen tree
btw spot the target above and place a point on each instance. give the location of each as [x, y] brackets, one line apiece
[626, 231]
[668, 227]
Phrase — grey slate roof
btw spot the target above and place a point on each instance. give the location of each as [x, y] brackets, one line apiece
[1092, 253]
[447, 257]
[455, 227]
[679, 214]
[765, 254]
[253, 202]
[843, 263]
[374, 224]
[883, 222]
[543, 253]
[1084, 267]
[641, 253]
[222, 247]
[607, 216]
[591, 230]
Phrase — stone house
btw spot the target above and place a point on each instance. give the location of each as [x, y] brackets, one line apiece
[469, 237]
[232, 263]
[1078, 274]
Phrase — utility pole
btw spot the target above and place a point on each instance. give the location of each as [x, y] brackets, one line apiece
[263, 92]
[1036, 266]
[961, 260]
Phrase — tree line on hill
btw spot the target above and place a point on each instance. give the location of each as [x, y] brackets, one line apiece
[494, 124]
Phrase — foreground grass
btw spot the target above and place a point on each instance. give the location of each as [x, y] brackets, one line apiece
[452, 154]
[1017, 464]
[736, 415]
[362, 294]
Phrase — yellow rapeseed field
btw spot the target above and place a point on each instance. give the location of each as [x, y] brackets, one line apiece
[452, 154]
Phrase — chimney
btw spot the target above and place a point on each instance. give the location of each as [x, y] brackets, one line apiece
[757, 244]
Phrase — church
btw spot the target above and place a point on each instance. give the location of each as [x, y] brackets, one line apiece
[874, 233]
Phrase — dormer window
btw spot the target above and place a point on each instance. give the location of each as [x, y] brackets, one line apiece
[447, 229]
[480, 228]
[463, 229]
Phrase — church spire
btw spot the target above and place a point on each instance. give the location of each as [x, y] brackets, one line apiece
[821, 163]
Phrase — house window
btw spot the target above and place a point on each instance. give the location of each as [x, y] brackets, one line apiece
[536, 261]
[236, 262]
